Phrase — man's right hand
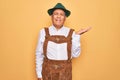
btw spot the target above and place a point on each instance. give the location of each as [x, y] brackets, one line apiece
[40, 79]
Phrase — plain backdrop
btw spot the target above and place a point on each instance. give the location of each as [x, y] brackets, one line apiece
[21, 21]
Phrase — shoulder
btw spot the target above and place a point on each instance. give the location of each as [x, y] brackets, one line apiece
[68, 29]
[42, 31]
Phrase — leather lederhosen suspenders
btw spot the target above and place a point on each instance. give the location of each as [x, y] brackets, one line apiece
[57, 69]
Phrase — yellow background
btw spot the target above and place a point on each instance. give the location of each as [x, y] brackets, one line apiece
[21, 20]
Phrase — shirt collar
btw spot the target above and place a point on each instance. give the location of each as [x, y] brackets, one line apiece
[54, 28]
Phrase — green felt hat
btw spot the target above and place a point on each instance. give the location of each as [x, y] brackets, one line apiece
[59, 6]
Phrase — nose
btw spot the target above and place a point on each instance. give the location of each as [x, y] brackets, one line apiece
[58, 15]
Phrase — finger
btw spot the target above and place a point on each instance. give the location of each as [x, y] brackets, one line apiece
[88, 29]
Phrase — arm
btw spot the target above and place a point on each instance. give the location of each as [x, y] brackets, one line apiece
[75, 45]
[76, 41]
[39, 55]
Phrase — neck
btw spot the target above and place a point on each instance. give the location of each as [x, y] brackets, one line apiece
[58, 27]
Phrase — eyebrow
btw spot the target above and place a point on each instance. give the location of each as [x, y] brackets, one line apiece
[58, 12]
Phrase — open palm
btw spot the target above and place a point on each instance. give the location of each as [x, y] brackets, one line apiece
[81, 31]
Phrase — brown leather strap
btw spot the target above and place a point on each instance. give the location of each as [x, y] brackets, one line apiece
[69, 44]
[70, 33]
[46, 42]
[58, 39]
[47, 31]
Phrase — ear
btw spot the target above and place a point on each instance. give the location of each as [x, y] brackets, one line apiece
[65, 17]
[51, 15]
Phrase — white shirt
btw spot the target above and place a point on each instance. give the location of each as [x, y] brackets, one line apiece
[55, 51]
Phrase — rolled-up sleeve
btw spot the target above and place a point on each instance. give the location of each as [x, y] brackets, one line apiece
[39, 54]
[76, 49]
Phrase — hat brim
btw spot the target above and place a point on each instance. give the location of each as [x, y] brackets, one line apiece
[67, 12]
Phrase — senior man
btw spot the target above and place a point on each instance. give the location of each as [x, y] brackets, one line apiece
[57, 45]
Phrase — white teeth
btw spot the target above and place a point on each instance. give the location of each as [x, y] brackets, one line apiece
[58, 20]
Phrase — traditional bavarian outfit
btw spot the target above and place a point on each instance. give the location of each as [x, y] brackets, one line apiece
[57, 69]
[54, 53]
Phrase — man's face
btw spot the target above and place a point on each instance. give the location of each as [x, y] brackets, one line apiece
[58, 18]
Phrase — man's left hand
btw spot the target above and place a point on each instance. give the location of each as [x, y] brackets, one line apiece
[81, 31]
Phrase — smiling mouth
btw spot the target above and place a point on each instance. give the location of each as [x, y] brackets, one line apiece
[58, 20]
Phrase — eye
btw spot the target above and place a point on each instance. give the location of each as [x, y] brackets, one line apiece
[55, 13]
[62, 14]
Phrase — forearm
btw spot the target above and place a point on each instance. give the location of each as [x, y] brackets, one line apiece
[76, 45]
[39, 54]
[39, 62]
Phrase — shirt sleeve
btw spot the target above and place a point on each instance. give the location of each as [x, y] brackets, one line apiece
[39, 53]
[76, 49]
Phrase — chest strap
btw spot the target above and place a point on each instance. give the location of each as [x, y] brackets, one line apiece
[58, 39]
